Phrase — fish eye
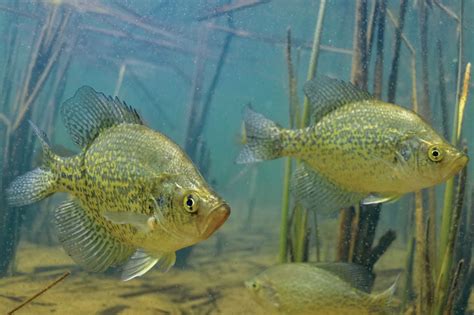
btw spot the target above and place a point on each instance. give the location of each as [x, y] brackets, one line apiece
[435, 154]
[190, 203]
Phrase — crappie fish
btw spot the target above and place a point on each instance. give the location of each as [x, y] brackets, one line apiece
[136, 196]
[357, 148]
[309, 289]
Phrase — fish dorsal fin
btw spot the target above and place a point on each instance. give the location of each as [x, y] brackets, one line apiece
[326, 94]
[89, 112]
[87, 242]
[355, 275]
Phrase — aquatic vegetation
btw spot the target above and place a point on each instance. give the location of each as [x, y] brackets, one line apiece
[137, 197]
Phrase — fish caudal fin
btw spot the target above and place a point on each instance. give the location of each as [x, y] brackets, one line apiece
[88, 243]
[37, 184]
[262, 137]
[141, 262]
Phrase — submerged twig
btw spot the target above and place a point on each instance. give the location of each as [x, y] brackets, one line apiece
[49, 286]
[454, 289]
[277, 41]
[233, 7]
[393, 78]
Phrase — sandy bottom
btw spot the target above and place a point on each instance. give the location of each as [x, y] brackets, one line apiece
[211, 284]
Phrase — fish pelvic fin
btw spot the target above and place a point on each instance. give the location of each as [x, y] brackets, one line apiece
[141, 262]
[38, 183]
[263, 141]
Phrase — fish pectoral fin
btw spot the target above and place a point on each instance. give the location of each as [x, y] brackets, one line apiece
[326, 94]
[140, 221]
[141, 262]
[89, 112]
[317, 192]
[380, 198]
[87, 242]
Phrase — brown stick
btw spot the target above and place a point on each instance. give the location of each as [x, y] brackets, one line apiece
[277, 41]
[393, 78]
[52, 284]
[344, 239]
[359, 57]
[233, 7]
[378, 76]
[454, 289]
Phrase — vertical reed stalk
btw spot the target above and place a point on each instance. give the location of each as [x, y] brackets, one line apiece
[294, 113]
[449, 188]
[445, 277]
[378, 75]
[393, 78]
[359, 56]
[301, 217]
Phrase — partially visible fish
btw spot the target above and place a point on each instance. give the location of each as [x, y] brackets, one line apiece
[306, 289]
[136, 197]
[357, 148]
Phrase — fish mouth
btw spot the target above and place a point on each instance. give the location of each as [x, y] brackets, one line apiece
[460, 162]
[215, 219]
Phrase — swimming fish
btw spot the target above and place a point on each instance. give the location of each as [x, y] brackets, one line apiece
[136, 197]
[306, 289]
[356, 149]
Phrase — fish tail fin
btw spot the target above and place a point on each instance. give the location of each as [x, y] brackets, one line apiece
[38, 183]
[384, 300]
[263, 141]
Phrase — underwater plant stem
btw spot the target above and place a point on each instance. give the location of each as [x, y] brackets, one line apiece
[313, 63]
[301, 219]
[454, 289]
[444, 277]
[285, 206]
[377, 251]
[359, 57]
[49, 286]
[442, 90]
[378, 76]
[317, 238]
[294, 117]
[408, 283]
[449, 188]
[420, 250]
[393, 77]
[344, 235]
[423, 20]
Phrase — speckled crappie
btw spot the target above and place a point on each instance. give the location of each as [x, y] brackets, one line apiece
[356, 148]
[306, 289]
[136, 197]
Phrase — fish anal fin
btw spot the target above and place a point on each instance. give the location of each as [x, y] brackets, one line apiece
[380, 198]
[141, 262]
[326, 94]
[89, 112]
[317, 192]
[88, 243]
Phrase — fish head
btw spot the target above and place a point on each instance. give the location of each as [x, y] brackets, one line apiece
[193, 212]
[430, 161]
[263, 292]
[439, 161]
